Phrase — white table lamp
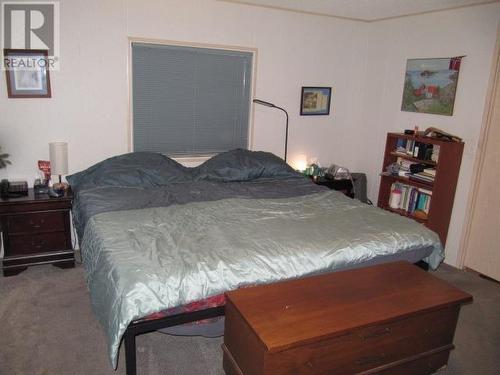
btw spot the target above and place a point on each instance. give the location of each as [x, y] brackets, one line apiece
[58, 158]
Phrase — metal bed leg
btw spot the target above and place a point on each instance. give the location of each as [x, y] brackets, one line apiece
[138, 328]
[423, 265]
[130, 357]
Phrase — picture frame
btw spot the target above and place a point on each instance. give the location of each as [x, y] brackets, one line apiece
[430, 85]
[315, 101]
[27, 73]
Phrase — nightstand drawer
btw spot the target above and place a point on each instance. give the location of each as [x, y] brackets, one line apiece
[38, 243]
[39, 222]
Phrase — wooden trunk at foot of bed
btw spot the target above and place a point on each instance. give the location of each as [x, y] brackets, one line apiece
[386, 319]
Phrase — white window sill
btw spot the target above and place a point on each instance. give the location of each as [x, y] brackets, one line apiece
[192, 161]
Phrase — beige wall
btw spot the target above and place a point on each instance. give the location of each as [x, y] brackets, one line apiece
[467, 31]
[294, 50]
[90, 109]
[364, 63]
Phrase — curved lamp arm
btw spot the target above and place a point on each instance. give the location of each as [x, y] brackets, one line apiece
[271, 105]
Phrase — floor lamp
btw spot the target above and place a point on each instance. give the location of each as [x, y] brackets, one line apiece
[267, 104]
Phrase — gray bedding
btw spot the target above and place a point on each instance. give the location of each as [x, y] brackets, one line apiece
[150, 242]
[139, 262]
[146, 179]
[95, 200]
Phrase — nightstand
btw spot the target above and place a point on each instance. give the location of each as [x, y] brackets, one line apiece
[344, 185]
[36, 230]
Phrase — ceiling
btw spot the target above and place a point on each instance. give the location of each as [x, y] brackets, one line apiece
[363, 10]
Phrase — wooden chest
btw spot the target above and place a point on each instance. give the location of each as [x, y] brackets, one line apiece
[388, 319]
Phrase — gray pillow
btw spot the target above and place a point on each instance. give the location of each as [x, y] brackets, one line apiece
[243, 165]
[137, 169]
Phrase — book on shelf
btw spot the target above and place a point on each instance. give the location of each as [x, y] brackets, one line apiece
[421, 177]
[416, 149]
[430, 171]
[435, 153]
[409, 198]
[409, 147]
[404, 166]
[409, 169]
[427, 175]
[404, 163]
[425, 191]
[401, 145]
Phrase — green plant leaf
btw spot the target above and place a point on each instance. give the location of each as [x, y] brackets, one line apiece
[3, 160]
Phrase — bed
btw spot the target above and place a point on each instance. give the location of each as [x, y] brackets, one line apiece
[161, 243]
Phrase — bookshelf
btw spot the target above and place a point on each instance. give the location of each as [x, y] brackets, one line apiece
[428, 201]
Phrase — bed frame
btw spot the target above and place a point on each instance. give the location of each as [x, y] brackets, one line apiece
[138, 328]
[146, 326]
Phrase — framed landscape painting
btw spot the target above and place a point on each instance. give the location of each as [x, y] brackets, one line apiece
[430, 85]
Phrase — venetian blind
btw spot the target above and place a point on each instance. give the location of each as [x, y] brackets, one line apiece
[190, 101]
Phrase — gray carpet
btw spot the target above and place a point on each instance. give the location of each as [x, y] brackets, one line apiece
[48, 328]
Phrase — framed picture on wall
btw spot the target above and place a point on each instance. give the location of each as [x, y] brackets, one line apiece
[430, 85]
[315, 101]
[27, 73]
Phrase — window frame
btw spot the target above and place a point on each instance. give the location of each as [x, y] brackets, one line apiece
[194, 159]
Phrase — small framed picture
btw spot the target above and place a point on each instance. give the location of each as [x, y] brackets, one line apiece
[315, 101]
[27, 73]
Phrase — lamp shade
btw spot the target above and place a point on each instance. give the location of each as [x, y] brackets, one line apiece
[58, 158]
[299, 163]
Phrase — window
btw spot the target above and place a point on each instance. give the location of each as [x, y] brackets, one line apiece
[190, 101]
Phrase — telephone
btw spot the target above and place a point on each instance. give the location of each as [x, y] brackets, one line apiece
[14, 189]
[40, 187]
[335, 172]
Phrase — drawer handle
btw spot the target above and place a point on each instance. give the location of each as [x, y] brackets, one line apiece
[370, 360]
[40, 244]
[37, 225]
[382, 332]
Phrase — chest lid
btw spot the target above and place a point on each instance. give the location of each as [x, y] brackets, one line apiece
[297, 312]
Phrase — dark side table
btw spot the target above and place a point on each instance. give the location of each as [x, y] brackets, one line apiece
[35, 230]
[344, 185]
